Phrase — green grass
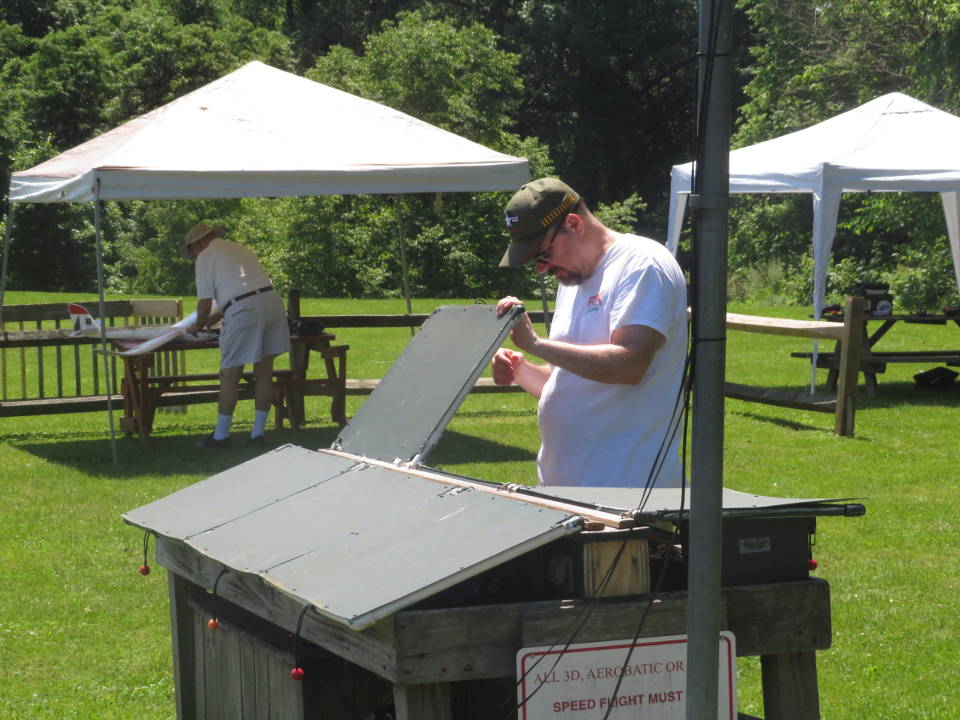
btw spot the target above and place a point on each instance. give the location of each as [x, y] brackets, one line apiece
[83, 635]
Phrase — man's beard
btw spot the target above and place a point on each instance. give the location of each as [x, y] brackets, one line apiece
[566, 277]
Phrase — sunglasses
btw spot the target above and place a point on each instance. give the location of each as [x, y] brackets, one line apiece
[544, 255]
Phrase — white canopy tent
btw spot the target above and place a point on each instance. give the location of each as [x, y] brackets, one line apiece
[892, 143]
[262, 132]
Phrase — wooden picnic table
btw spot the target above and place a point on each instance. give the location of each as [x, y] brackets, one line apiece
[144, 391]
[874, 362]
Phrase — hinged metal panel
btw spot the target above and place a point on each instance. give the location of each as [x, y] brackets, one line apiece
[357, 541]
[407, 412]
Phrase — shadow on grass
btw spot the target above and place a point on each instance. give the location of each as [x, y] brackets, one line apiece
[455, 447]
[895, 394]
[888, 395]
[170, 453]
[174, 451]
[790, 424]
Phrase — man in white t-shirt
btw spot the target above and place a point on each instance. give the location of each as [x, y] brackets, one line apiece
[255, 330]
[610, 391]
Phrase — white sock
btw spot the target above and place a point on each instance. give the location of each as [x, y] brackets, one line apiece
[259, 422]
[223, 427]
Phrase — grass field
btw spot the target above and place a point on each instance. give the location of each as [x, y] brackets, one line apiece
[83, 635]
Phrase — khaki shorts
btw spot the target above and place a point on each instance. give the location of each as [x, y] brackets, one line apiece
[253, 329]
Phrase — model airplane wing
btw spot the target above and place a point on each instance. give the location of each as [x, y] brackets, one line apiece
[152, 337]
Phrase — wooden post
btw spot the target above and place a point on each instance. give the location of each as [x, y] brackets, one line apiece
[429, 701]
[295, 404]
[629, 576]
[849, 369]
[790, 686]
[182, 628]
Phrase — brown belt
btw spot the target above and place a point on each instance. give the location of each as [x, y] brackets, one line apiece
[238, 298]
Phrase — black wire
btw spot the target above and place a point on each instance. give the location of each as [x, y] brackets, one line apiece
[577, 624]
[636, 634]
[684, 391]
[296, 638]
[146, 543]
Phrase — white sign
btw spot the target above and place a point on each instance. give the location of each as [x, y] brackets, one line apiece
[578, 682]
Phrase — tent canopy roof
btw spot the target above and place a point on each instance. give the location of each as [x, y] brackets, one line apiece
[260, 131]
[892, 143]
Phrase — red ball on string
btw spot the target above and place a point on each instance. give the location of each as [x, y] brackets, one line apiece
[144, 569]
[812, 564]
[297, 673]
[213, 623]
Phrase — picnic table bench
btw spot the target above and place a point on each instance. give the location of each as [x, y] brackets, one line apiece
[145, 391]
[874, 362]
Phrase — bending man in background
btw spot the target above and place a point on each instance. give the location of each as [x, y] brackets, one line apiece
[255, 328]
[610, 386]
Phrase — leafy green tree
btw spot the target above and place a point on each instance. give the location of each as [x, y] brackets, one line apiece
[812, 61]
[100, 66]
[458, 79]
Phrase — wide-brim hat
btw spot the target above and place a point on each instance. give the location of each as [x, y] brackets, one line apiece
[531, 212]
[195, 234]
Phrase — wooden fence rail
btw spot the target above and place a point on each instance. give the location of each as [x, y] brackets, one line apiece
[44, 369]
[849, 337]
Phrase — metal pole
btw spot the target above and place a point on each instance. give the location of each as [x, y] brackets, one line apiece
[711, 195]
[543, 299]
[104, 348]
[397, 203]
[8, 229]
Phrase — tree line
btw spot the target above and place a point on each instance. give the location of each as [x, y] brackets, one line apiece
[603, 95]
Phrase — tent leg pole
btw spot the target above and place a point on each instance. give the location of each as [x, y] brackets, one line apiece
[104, 349]
[404, 269]
[8, 229]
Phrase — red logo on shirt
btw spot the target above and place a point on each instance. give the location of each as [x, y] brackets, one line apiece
[595, 303]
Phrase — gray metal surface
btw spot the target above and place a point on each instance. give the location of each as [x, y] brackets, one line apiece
[407, 412]
[357, 541]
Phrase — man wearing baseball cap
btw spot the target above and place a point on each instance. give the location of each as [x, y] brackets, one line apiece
[610, 384]
[255, 329]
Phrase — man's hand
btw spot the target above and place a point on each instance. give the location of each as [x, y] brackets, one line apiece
[522, 334]
[505, 364]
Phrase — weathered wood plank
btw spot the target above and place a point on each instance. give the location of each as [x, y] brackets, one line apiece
[816, 329]
[249, 681]
[781, 398]
[457, 644]
[58, 311]
[422, 702]
[183, 635]
[199, 707]
[780, 618]
[481, 642]
[53, 405]
[372, 649]
[381, 321]
[628, 575]
[790, 689]
[850, 351]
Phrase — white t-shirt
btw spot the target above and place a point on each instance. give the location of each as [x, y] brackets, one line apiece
[605, 434]
[226, 269]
